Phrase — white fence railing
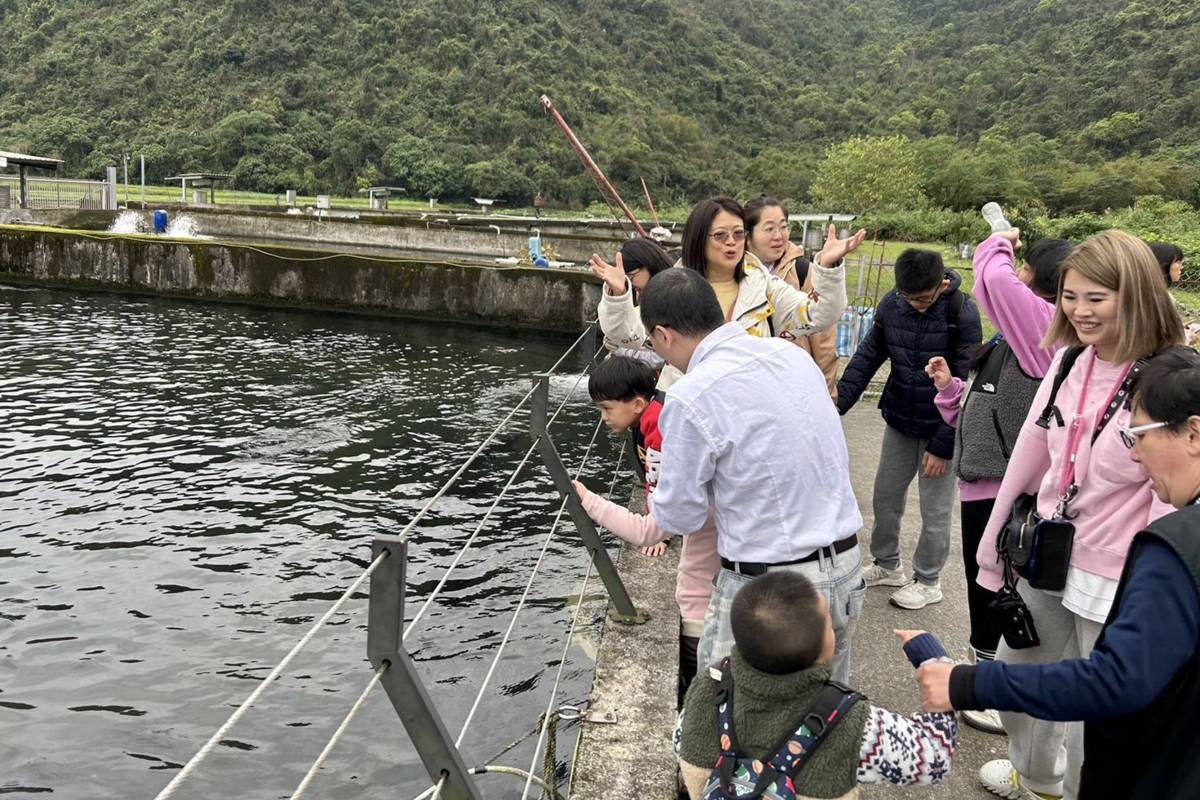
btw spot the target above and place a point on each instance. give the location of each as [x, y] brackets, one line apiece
[53, 193]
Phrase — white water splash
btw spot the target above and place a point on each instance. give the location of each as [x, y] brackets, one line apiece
[183, 227]
[128, 222]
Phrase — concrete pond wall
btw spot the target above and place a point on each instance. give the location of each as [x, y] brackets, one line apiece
[443, 234]
[560, 300]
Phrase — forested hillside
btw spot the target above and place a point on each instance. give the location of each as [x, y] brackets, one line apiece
[1077, 104]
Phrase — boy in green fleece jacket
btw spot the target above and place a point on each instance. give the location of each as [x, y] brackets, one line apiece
[784, 643]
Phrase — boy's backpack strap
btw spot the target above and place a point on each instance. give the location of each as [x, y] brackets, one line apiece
[729, 743]
[831, 705]
[728, 760]
[1064, 368]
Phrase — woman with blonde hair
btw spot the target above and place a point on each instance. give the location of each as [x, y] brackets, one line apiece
[1113, 312]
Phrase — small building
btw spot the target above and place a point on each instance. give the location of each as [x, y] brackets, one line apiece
[378, 196]
[204, 186]
[23, 162]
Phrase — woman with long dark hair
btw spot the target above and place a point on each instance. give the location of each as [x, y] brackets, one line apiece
[714, 244]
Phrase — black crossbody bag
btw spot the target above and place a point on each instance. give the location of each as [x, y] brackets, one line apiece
[1038, 549]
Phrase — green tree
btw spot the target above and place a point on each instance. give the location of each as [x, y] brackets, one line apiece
[869, 173]
[413, 163]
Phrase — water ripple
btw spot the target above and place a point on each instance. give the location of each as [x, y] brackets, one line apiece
[185, 487]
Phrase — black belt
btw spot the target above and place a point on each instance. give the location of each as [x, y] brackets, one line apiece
[754, 568]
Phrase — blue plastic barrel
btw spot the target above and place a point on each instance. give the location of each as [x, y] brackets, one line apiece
[160, 221]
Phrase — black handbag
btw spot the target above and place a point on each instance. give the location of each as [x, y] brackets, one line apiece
[1011, 616]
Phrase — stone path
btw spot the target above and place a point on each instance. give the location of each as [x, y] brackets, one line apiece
[879, 668]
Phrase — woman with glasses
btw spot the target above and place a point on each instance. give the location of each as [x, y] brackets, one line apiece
[1138, 691]
[1112, 313]
[768, 238]
[714, 244]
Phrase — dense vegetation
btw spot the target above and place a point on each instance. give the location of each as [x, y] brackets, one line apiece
[1060, 105]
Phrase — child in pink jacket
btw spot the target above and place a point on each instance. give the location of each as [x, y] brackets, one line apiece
[623, 389]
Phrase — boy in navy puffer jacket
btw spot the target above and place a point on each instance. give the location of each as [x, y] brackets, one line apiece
[926, 315]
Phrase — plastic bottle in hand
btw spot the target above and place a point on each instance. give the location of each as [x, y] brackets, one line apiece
[994, 214]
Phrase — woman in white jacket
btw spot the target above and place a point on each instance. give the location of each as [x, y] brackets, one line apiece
[714, 244]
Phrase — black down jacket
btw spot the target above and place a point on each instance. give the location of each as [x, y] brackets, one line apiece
[910, 338]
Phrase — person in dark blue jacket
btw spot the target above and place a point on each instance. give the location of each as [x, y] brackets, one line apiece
[926, 315]
[1139, 689]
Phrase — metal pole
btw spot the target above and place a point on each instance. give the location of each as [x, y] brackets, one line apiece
[143, 155]
[125, 160]
[623, 609]
[385, 646]
[602, 183]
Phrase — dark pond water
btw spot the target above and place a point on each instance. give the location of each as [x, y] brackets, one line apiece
[185, 487]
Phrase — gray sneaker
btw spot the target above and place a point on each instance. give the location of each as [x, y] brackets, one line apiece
[917, 595]
[876, 575]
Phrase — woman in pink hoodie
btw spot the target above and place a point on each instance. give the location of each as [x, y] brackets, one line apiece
[988, 409]
[1113, 310]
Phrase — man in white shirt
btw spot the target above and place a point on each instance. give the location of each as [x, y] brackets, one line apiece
[749, 431]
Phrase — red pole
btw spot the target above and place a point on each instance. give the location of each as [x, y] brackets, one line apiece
[650, 200]
[602, 183]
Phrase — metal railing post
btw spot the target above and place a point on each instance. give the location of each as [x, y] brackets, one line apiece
[385, 644]
[589, 342]
[623, 609]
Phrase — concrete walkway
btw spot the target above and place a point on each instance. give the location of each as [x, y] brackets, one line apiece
[879, 668]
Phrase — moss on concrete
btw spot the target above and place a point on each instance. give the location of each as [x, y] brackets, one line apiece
[521, 297]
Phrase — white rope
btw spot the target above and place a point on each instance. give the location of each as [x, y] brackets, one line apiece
[471, 459]
[524, 595]
[567, 644]
[169, 790]
[337, 734]
[432, 791]
[191, 765]
[471, 539]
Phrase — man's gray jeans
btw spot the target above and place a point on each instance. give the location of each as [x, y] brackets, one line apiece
[839, 579]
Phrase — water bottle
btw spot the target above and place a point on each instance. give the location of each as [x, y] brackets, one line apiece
[995, 217]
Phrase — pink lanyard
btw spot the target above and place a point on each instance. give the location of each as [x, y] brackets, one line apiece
[1066, 487]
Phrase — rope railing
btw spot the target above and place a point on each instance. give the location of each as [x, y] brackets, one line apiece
[587, 575]
[524, 596]
[189, 768]
[547, 717]
[487, 516]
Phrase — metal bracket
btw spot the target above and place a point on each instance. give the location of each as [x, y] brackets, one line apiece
[385, 644]
[623, 609]
[585, 713]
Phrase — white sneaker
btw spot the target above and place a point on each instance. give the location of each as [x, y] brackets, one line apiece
[999, 778]
[878, 575]
[915, 595]
[987, 721]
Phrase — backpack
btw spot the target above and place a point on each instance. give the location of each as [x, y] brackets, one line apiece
[740, 777]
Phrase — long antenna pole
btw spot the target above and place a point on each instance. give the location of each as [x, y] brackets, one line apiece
[602, 183]
[650, 201]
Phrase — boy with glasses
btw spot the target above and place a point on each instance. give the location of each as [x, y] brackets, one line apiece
[926, 315]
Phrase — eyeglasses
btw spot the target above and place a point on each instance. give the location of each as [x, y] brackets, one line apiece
[771, 230]
[738, 235]
[921, 299]
[1131, 436]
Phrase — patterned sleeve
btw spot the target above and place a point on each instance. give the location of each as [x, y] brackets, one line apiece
[907, 750]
